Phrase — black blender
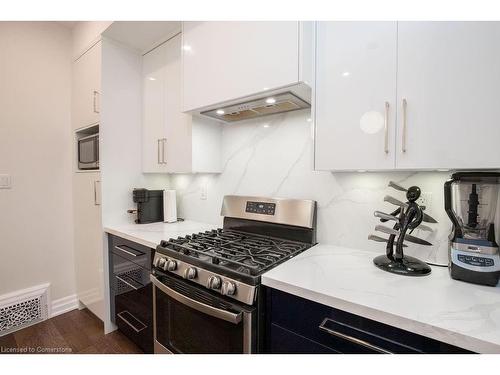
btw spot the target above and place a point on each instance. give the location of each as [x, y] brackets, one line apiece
[471, 201]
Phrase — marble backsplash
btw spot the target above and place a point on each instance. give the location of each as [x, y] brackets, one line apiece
[273, 156]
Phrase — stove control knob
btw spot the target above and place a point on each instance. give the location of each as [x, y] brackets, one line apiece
[213, 282]
[160, 262]
[190, 273]
[171, 265]
[228, 288]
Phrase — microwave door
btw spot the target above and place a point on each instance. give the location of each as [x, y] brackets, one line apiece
[88, 152]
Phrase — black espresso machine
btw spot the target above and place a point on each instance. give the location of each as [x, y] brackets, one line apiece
[471, 202]
[149, 205]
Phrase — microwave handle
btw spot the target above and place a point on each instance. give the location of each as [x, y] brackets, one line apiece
[199, 306]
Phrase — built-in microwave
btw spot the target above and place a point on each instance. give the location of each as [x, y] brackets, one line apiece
[88, 152]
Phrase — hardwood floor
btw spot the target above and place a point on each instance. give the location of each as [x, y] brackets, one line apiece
[77, 331]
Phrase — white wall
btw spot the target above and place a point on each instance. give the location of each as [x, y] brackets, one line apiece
[272, 156]
[36, 235]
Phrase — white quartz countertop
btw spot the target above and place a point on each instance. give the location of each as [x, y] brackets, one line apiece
[151, 234]
[436, 306]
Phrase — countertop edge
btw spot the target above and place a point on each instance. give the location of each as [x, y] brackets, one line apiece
[130, 237]
[427, 330]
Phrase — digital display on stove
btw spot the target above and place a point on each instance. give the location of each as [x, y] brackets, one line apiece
[261, 208]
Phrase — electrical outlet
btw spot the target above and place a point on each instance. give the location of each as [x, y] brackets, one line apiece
[425, 200]
[5, 182]
[203, 192]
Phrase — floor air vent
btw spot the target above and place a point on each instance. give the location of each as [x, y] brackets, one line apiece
[24, 308]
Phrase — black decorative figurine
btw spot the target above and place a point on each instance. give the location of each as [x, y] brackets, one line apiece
[410, 217]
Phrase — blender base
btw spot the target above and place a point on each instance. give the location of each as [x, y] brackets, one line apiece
[408, 266]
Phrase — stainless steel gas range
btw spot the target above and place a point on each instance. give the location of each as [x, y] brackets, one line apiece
[206, 293]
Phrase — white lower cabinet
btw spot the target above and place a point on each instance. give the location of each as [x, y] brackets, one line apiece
[407, 95]
[88, 241]
[171, 139]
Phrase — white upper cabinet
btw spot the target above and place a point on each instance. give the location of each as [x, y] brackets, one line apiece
[170, 137]
[86, 88]
[223, 61]
[409, 96]
[355, 113]
[153, 114]
[449, 74]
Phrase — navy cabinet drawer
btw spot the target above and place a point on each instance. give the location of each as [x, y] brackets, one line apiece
[345, 332]
[131, 251]
[127, 275]
[133, 316]
[284, 341]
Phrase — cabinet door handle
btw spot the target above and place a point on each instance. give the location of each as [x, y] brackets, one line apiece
[120, 248]
[158, 149]
[350, 338]
[127, 283]
[143, 326]
[97, 202]
[386, 128]
[403, 137]
[164, 145]
[96, 93]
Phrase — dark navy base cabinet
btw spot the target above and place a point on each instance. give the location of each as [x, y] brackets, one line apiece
[131, 290]
[297, 325]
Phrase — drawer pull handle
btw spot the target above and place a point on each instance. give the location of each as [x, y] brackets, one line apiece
[128, 252]
[351, 339]
[120, 315]
[129, 284]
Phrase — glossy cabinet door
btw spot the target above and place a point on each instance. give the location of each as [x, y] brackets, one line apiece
[86, 88]
[178, 143]
[88, 241]
[173, 141]
[230, 60]
[355, 95]
[449, 75]
[153, 114]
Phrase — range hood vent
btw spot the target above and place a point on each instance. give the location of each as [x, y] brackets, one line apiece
[267, 105]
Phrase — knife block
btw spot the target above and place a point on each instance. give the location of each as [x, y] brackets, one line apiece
[394, 260]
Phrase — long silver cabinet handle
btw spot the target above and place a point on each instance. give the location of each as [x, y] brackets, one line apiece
[96, 93]
[201, 307]
[158, 149]
[351, 339]
[126, 282]
[403, 137]
[386, 128]
[97, 202]
[128, 252]
[120, 315]
[164, 143]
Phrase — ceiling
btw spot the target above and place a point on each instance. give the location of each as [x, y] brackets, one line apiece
[142, 35]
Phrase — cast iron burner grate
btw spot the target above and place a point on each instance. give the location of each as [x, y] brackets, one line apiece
[242, 252]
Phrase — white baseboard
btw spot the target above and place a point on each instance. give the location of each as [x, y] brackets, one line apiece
[63, 305]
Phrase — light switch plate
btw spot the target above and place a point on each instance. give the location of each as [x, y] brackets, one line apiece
[5, 182]
[203, 192]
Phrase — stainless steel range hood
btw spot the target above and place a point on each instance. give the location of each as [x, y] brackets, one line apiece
[264, 105]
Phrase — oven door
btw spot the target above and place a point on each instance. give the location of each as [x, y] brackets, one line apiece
[88, 152]
[191, 320]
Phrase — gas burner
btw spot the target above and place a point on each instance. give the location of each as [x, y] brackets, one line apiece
[241, 252]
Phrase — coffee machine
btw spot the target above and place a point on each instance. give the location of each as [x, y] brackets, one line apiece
[471, 202]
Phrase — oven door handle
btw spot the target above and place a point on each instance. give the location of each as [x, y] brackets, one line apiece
[201, 307]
